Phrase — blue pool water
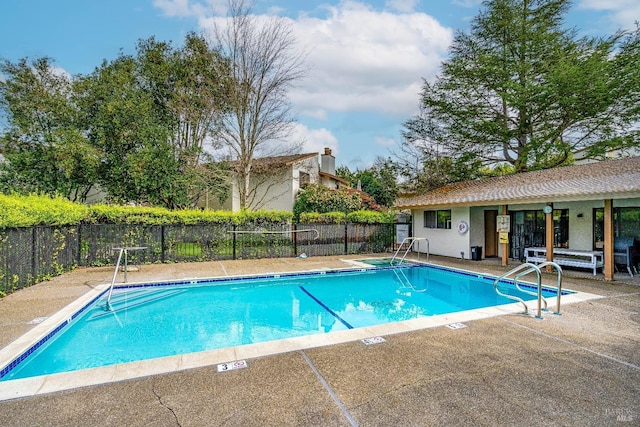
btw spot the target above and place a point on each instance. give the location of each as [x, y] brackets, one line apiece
[146, 322]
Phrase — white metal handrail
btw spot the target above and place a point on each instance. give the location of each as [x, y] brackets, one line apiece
[559, 283]
[412, 240]
[515, 298]
[406, 283]
[123, 250]
[113, 280]
[528, 268]
[538, 293]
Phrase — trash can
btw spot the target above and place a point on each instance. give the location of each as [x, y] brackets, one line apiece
[476, 253]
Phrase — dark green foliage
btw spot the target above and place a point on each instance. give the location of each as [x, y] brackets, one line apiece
[378, 181]
[320, 199]
[518, 88]
[136, 126]
[150, 115]
[44, 148]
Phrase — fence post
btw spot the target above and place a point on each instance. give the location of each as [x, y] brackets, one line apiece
[33, 254]
[163, 248]
[346, 240]
[79, 254]
[295, 240]
[234, 241]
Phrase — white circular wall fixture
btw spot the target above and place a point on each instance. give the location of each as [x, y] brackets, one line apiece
[463, 227]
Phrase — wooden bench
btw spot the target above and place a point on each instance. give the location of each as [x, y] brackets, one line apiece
[567, 257]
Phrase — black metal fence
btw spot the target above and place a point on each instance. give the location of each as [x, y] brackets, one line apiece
[30, 255]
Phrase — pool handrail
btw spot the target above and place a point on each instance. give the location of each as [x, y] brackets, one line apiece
[538, 293]
[529, 268]
[412, 240]
[406, 283]
[115, 272]
[559, 285]
[113, 280]
[515, 298]
[293, 230]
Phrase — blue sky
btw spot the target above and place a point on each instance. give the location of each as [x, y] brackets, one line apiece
[366, 59]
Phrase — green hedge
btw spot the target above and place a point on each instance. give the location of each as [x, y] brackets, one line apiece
[371, 217]
[357, 217]
[323, 218]
[107, 214]
[27, 211]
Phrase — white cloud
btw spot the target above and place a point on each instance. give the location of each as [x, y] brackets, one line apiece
[360, 60]
[622, 13]
[315, 140]
[61, 72]
[366, 60]
[384, 141]
[178, 8]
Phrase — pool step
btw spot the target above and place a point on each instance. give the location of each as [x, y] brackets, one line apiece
[131, 299]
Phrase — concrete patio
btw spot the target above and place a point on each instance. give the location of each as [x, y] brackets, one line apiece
[581, 368]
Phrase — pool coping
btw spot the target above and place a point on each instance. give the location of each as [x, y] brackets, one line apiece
[11, 389]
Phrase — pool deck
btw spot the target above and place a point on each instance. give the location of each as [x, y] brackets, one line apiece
[581, 368]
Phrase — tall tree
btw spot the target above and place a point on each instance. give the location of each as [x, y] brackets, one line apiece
[189, 86]
[264, 65]
[43, 147]
[379, 180]
[137, 164]
[151, 115]
[521, 89]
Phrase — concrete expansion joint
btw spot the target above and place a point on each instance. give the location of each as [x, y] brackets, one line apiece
[329, 390]
[633, 294]
[575, 345]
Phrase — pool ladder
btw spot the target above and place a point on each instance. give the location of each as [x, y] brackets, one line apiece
[404, 280]
[523, 270]
[123, 250]
[411, 241]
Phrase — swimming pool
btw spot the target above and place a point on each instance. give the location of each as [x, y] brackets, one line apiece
[155, 320]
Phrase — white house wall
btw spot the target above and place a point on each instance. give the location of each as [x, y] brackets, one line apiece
[446, 242]
[278, 192]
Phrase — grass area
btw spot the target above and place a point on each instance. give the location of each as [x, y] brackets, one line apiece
[187, 249]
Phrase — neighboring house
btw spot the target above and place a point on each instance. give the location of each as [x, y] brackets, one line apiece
[579, 156]
[461, 216]
[275, 181]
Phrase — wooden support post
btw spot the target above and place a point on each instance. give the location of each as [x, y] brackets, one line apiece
[505, 246]
[608, 239]
[549, 235]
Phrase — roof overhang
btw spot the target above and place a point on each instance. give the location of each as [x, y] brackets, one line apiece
[614, 179]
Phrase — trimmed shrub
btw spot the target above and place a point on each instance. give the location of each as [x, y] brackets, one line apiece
[323, 218]
[32, 210]
[371, 217]
[318, 198]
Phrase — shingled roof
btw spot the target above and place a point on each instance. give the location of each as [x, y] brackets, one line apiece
[608, 179]
[269, 164]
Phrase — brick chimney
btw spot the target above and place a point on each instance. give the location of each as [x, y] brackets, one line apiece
[328, 162]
